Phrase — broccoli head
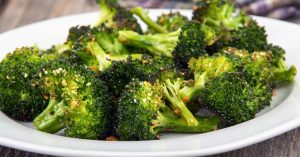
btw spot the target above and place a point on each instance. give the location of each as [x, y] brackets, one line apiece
[232, 98]
[281, 74]
[143, 115]
[96, 47]
[78, 101]
[250, 37]
[116, 17]
[18, 99]
[147, 68]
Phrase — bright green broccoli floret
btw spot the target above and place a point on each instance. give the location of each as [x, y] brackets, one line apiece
[116, 17]
[77, 101]
[187, 42]
[17, 98]
[205, 68]
[142, 115]
[232, 98]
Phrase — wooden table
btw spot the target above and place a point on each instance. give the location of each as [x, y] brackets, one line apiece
[15, 13]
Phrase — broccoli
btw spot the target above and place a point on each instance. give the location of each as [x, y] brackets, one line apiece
[142, 114]
[232, 98]
[78, 101]
[17, 97]
[147, 68]
[171, 22]
[97, 47]
[143, 15]
[116, 17]
[282, 75]
[266, 65]
[187, 42]
[250, 37]
[219, 14]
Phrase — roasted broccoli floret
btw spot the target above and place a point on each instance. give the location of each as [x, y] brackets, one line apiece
[282, 75]
[147, 68]
[232, 98]
[142, 115]
[116, 17]
[17, 97]
[187, 42]
[219, 14]
[250, 37]
[97, 47]
[78, 101]
[171, 22]
[266, 65]
[141, 13]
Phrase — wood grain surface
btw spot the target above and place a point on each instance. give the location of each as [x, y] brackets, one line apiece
[15, 13]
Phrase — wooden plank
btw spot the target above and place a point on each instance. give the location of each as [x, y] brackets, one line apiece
[12, 14]
[36, 10]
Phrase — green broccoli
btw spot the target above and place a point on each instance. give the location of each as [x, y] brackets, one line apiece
[250, 37]
[232, 98]
[78, 101]
[143, 15]
[221, 15]
[142, 115]
[282, 75]
[116, 17]
[97, 47]
[171, 22]
[187, 42]
[147, 68]
[17, 97]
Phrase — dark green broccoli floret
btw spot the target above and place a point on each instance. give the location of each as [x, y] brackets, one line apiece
[78, 101]
[147, 68]
[117, 17]
[141, 13]
[187, 42]
[219, 14]
[142, 115]
[232, 98]
[17, 98]
[171, 22]
[250, 37]
[281, 73]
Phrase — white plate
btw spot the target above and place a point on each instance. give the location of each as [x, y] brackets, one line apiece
[281, 116]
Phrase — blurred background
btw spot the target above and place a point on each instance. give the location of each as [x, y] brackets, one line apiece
[14, 13]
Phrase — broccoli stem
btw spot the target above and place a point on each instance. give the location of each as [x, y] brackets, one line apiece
[159, 44]
[50, 120]
[171, 91]
[179, 125]
[140, 12]
[99, 53]
[106, 13]
[188, 93]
